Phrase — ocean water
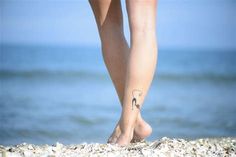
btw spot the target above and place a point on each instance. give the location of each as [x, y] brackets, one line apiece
[50, 94]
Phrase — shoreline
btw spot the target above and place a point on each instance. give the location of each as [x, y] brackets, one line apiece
[225, 146]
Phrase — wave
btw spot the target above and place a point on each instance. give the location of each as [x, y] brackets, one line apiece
[230, 77]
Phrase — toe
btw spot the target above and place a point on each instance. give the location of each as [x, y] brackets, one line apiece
[109, 140]
[112, 139]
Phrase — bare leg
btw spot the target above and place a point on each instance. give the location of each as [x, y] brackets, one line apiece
[141, 63]
[115, 50]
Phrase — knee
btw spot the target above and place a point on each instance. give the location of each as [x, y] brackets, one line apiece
[111, 25]
[111, 35]
[111, 29]
[142, 29]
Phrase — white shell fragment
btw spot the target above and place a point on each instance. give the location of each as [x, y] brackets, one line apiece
[163, 147]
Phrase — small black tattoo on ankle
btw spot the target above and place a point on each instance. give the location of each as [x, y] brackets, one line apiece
[136, 93]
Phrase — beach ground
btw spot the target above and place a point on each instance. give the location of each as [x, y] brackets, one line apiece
[162, 147]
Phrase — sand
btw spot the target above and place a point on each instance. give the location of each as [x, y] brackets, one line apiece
[163, 147]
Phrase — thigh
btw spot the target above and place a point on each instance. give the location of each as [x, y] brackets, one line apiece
[107, 12]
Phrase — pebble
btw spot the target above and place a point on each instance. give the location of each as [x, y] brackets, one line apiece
[30, 147]
[27, 153]
[162, 147]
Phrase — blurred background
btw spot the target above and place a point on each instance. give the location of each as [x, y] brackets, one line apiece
[54, 85]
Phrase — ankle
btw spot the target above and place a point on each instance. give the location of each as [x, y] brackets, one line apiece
[127, 129]
[139, 119]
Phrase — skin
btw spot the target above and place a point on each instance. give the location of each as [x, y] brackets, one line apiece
[131, 69]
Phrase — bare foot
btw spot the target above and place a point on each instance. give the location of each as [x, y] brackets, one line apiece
[115, 134]
[141, 131]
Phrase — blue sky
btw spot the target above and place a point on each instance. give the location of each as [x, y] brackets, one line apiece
[194, 24]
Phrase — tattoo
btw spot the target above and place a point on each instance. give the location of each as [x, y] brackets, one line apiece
[136, 93]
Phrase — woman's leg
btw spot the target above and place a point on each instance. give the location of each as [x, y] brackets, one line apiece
[141, 63]
[115, 50]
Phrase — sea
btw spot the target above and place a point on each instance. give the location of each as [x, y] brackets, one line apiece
[52, 94]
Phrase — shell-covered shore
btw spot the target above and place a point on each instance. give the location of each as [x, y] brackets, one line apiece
[163, 147]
